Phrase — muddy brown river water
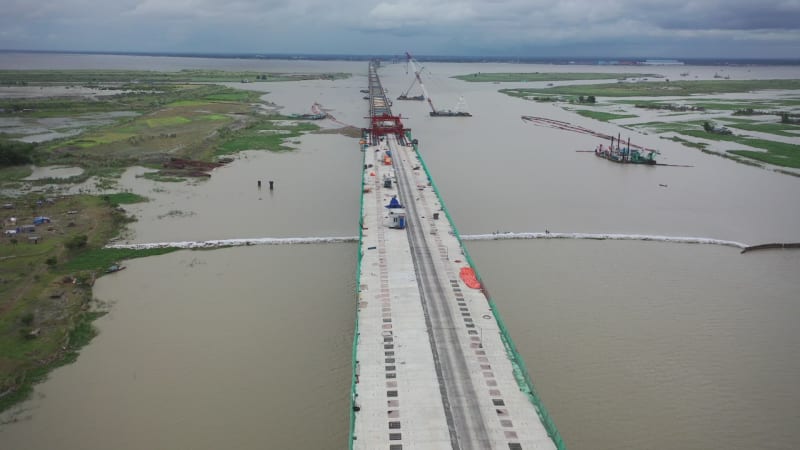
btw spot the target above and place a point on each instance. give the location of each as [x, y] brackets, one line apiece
[631, 345]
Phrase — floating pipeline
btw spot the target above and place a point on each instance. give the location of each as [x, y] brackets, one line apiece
[473, 237]
[603, 236]
[236, 242]
[775, 245]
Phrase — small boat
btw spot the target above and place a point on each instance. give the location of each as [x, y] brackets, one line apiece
[115, 268]
[318, 116]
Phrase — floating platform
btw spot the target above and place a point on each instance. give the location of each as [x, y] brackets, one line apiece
[450, 114]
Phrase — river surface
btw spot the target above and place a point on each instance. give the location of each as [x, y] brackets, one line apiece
[630, 344]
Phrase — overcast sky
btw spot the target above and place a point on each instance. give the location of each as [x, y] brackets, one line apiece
[570, 28]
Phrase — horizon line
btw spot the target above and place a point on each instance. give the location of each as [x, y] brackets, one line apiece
[428, 57]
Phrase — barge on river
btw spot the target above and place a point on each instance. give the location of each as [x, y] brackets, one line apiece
[626, 154]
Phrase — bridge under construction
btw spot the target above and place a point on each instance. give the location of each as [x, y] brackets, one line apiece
[433, 365]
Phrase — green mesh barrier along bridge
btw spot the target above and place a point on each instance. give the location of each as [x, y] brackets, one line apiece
[433, 365]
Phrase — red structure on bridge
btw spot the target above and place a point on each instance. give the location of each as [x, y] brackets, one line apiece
[386, 124]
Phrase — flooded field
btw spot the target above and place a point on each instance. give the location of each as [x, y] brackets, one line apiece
[31, 129]
[631, 345]
[38, 173]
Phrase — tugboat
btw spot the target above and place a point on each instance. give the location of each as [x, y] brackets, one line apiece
[625, 155]
[316, 113]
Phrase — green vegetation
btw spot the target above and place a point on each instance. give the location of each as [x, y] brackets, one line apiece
[214, 117]
[158, 176]
[45, 286]
[779, 157]
[165, 122]
[589, 100]
[266, 134]
[14, 173]
[707, 104]
[604, 116]
[530, 94]
[238, 96]
[676, 127]
[43, 302]
[132, 98]
[77, 337]
[13, 153]
[46, 275]
[777, 128]
[187, 122]
[124, 198]
[777, 153]
[662, 88]
[140, 78]
[176, 119]
[506, 77]
[98, 259]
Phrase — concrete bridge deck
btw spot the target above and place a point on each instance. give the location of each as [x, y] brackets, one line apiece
[432, 368]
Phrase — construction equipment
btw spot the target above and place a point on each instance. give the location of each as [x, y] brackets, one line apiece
[404, 95]
[455, 112]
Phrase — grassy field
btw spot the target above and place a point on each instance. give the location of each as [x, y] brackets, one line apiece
[13, 173]
[777, 153]
[777, 128]
[677, 127]
[136, 100]
[508, 77]
[101, 258]
[663, 88]
[45, 285]
[603, 116]
[198, 122]
[167, 121]
[124, 198]
[266, 134]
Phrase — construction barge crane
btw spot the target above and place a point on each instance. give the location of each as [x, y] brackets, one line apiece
[404, 95]
[456, 112]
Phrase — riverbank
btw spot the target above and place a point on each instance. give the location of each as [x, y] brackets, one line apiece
[174, 128]
[47, 271]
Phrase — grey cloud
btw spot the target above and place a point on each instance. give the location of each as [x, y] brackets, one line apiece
[460, 25]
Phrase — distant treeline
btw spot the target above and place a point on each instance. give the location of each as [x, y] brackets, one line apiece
[15, 153]
[441, 58]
